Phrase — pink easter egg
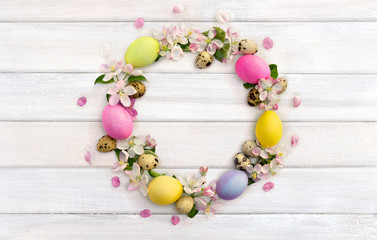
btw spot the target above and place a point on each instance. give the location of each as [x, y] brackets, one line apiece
[117, 122]
[250, 68]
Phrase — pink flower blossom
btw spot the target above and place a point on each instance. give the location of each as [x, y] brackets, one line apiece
[296, 101]
[210, 191]
[179, 8]
[112, 70]
[145, 213]
[121, 93]
[81, 101]
[294, 140]
[268, 186]
[139, 23]
[258, 172]
[268, 43]
[203, 170]
[128, 69]
[132, 111]
[268, 89]
[137, 180]
[175, 219]
[115, 181]
[213, 44]
[87, 157]
[151, 142]
[275, 107]
[191, 184]
[260, 151]
[209, 207]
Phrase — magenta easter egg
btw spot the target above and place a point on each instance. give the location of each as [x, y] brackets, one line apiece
[250, 68]
[117, 122]
[231, 184]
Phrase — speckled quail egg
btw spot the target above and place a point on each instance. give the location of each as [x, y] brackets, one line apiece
[241, 161]
[253, 97]
[147, 161]
[203, 60]
[284, 84]
[247, 46]
[247, 148]
[106, 144]
[139, 87]
[184, 204]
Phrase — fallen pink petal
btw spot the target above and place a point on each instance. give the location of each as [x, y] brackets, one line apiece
[297, 101]
[268, 186]
[222, 16]
[87, 157]
[81, 101]
[139, 23]
[175, 219]
[145, 213]
[115, 181]
[268, 43]
[294, 140]
[179, 8]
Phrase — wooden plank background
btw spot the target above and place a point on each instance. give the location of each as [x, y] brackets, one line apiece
[50, 56]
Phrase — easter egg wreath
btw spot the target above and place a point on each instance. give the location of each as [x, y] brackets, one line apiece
[137, 154]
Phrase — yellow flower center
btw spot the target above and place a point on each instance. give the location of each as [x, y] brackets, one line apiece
[113, 68]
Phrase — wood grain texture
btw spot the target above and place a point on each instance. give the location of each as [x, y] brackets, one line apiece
[99, 227]
[187, 144]
[73, 190]
[298, 47]
[202, 10]
[186, 97]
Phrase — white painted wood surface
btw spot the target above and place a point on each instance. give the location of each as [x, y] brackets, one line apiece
[50, 57]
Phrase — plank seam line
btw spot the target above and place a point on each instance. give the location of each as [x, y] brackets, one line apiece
[187, 21]
[164, 214]
[188, 73]
[183, 121]
[188, 167]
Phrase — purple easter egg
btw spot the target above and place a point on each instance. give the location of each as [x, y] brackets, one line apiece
[117, 122]
[250, 68]
[231, 184]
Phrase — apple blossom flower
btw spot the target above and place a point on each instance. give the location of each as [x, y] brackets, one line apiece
[268, 89]
[209, 207]
[260, 151]
[129, 70]
[258, 172]
[213, 44]
[132, 146]
[112, 70]
[121, 164]
[203, 170]
[191, 184]
[210, 190]
[137, 180]
[151, 142]
[121, 93]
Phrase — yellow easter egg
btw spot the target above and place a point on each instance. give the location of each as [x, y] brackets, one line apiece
[164, 190]
[142, 52]
[269, 129]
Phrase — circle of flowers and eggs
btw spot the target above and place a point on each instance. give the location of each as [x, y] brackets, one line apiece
[258, 162]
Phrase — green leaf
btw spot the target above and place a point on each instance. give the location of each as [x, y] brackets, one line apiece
[174, 176]
[108, 96]
[154, 173]
[150, 152]
[274, 71]
[192, 212]
[222, 53]
[100, 80]
[185, 47]
[251, 181]
[117, 151]
[139, 78]
[153, 149]
[205, 33]
[248, 85]
[220, 34]
[158, 58]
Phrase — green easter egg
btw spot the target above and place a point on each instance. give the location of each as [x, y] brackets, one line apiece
[142, 52]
